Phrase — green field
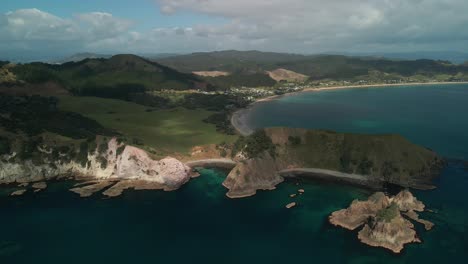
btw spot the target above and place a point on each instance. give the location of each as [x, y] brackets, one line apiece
[168, 131]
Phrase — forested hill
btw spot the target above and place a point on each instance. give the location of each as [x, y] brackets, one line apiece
[317, 67]
[113, 77]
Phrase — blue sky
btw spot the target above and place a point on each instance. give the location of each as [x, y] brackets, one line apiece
[39, 29]
[145, 13]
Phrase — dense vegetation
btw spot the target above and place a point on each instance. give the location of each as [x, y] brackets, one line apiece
[388, 214]
[35, 115]
[230, 61]
[323, 67]
[254, 145]
[386, 157]
[117, 77]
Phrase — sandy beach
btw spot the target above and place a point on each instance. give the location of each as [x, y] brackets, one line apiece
[239, 121]
[318, 89]
[239, 118]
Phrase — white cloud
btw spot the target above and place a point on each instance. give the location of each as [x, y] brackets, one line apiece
[100, 25]
[305, 26]
[33, 30]
[318, 25]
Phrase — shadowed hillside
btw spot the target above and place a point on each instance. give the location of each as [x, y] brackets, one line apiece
[116, 77]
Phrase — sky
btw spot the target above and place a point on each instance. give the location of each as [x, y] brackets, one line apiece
[47, 28]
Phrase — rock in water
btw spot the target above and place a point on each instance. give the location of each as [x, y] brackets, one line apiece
[383, 223]
[18, 193]
[291, 205]
[39, 186]
[359, 211]
[252, 175]
[391, 233]
[415, 217]
[89, 190]
[121, 186]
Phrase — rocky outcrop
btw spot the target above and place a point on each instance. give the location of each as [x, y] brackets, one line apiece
[18, 192]
[358, 213]
[137, 185]
[89, 190]
[252, 175]
[384, 225]
[407, 202]
[393, 234]
[116, 162]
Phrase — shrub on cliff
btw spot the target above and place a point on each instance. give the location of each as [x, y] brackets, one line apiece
[254, 145]
[389, 213]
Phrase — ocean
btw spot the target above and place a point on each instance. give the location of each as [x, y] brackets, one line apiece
[199, 224]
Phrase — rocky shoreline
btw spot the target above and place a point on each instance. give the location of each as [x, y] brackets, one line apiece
[383, 220]
[124, 165]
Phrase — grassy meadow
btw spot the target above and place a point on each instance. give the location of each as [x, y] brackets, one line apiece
[167, 131]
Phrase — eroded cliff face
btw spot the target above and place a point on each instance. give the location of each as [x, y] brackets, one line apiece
[383, 220]
[252, 175]
[117, 161]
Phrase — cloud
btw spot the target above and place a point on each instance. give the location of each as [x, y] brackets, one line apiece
[33, 30]
[302, 26]
[100, 25]
[317, 25]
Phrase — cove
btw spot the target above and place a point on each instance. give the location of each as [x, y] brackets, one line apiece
[198, 224]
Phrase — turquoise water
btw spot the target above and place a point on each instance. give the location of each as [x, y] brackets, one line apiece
[198, 224]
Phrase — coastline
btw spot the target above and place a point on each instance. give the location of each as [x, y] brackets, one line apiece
[239, 117]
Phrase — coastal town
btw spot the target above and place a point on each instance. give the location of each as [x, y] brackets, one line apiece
[252, 94]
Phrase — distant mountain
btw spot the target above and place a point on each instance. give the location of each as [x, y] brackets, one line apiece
[230, 61]
[452, 56]
[82, 56]
[155, 56]
[89, 55]
[317, 67]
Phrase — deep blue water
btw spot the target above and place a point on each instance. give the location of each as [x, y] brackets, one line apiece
[198, 224]
[435, 116]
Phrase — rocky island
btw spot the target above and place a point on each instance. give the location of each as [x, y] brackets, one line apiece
[383, 219]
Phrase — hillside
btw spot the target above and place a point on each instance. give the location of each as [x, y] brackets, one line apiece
[318, 67]
[370, 160]
[116, 77]
[229, 61]
[82, 56]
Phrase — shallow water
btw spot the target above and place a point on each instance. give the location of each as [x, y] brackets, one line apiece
[198, 224]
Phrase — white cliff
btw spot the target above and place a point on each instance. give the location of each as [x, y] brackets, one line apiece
[119, 162]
